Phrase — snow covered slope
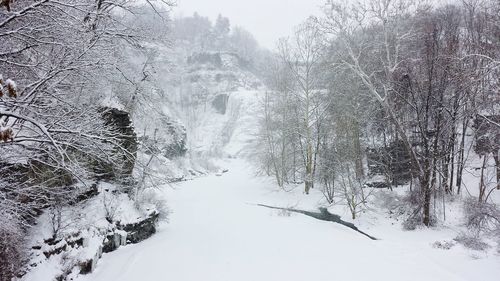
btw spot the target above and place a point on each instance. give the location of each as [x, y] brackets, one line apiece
[217, 233]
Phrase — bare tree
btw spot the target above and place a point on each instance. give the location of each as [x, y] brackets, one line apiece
[57, 59]
[413, 60]
[302, 55]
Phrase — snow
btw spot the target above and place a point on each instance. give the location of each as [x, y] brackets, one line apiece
[192, 89]
[85, 220]
[11, 84]
[244, 134]
[112, 102]
[4, 128]
[218, 233]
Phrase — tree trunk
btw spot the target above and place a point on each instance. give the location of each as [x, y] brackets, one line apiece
[424, 182]
[446, 172]
[461, 156]
[452, 160]
[496, 156]
[308, 179]
[482, 185]
[360, 173]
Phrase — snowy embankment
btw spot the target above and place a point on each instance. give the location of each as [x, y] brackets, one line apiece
[217, 232]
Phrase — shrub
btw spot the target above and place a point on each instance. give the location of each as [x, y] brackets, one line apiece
[473, 242]
[11, 249]
[481, 217]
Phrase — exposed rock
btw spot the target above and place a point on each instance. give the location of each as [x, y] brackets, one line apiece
[174, 146]
[76, 241]
[55, 249]
[91, 192]
[86, 266]
[89, 265]
[136, 232]
[114, 240]
[55, 246]
[52, 241]
[220, 103]
[206, 58]
[128, 141]
[177, 146]
[116, 237]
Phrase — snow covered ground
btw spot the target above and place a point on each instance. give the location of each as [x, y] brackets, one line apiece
[216, 232]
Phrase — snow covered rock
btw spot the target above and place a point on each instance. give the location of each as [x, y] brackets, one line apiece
[142, 229]
[220, 103]
[114, 240]
[127, 140]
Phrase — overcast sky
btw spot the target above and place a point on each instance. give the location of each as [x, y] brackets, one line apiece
[267, 20]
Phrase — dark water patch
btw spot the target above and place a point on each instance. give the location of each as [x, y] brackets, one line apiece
[323, 215]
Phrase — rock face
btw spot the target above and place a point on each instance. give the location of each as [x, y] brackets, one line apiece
[120, 120]
[136, 232]
[114, 240]
[126, 233]
[220, 103]
[173, 143]
[89, 265]
[206, 58]
[207, 96]
[87, 194]
[89, 249]
[177, 146]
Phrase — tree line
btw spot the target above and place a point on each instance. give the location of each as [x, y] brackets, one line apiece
[398, 87]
